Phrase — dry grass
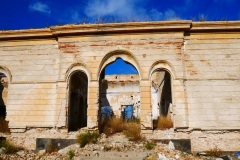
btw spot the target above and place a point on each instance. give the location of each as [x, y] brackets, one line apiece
[116, 124]
[214, 152]
[164, 122]
[113, 125]
[132, 128]
[4, 126]
[133, 131]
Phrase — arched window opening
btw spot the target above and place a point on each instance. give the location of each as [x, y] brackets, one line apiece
[161, 99]
[119, 66]
[119, 93]
[78, 92]
[3, 95]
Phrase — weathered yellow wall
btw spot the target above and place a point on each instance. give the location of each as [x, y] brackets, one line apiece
[204, 67]
[212, 62]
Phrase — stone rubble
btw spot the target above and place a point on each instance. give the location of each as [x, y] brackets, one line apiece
[116, 147]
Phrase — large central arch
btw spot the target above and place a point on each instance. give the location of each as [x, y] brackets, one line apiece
[118, 86]
[113, 55]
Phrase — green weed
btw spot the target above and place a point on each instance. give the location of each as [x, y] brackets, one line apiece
[85, 138]
[71, 153]
[10, 148]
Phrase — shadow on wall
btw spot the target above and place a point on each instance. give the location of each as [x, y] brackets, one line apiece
[166, 96]
[104, 101]
[104, 111]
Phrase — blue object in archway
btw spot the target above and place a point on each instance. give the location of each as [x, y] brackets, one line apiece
[128, 112]
[106, 112]
[237, 154]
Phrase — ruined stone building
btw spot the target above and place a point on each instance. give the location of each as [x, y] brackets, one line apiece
[54, 77]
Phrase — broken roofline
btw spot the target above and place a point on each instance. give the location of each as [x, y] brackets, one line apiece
[128, 27]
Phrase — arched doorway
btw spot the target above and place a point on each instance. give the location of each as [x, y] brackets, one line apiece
[161, 97]
[78, 92]
[3, 95]
[119, 92]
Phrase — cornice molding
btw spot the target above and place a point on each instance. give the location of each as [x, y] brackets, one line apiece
[29, 33]
[120, 28]
[215, 25]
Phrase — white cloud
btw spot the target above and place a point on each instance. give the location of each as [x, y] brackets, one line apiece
[125, 10]
[122, 9]
[40, 7]
[155, 15]
[170, 15]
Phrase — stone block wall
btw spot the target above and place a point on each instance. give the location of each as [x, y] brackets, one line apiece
[212, 80]
[202, 59]
[33, 66]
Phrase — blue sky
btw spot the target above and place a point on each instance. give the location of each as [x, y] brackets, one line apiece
[24, 14]
[120, 67]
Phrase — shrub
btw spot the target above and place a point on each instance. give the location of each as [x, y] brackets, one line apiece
[214, 152]
[149, 145]
[164, 122]
[116, 124]
[113, 125]
[131, 128]
[10, 148]
[134, 120]
[85, 138]
[71, 153]
[133, 131]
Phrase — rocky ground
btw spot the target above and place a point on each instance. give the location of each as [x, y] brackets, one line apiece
[116, 147]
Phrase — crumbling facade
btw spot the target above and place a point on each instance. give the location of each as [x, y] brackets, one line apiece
[54, 75]
[120, 92]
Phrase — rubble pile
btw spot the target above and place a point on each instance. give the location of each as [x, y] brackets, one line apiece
[116, 147]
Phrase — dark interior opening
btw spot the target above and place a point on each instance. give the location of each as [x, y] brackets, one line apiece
[3, 95]
[166, 97]
[77, 112]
